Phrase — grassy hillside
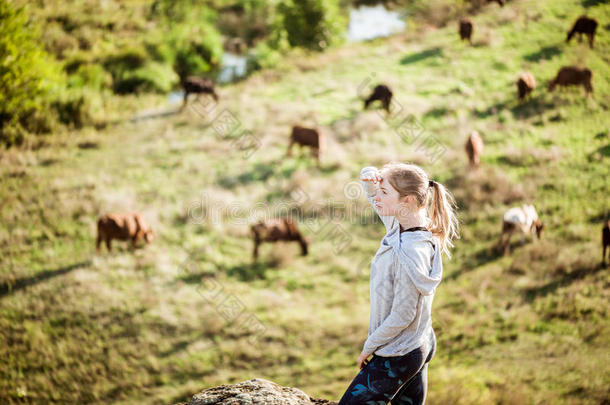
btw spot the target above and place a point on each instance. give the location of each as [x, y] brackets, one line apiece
[192, 311]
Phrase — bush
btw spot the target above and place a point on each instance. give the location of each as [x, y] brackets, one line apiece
[312, 24]
[76, 107]
[92, 76]
[57, 41]
[264, 56]
[154, 77]
[251, 20]
[160, 50]
[124, 60]
[27, 73]
[131, 71]
[188, 40]
[196, 54]
[75, 61]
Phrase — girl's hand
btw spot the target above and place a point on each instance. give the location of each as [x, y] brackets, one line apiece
[373, 177]
[362, 360]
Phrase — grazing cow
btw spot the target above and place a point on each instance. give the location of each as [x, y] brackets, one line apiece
[309, 137]
[500, 2]
[573, 76]
[382, 93]
[122, 227]
[474, 148]
[466, 29]
[274, 230]
[197, 85]
[605, 242]
[584, 25]
[525, 85]
[524, 219]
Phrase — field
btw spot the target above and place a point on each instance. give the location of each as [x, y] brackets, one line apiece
[192, 311]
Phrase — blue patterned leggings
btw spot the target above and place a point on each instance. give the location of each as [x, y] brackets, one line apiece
[376, 383]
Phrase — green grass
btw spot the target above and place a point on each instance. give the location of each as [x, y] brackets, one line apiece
[143, 326]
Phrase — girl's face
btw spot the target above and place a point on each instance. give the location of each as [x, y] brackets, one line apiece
[387, 199]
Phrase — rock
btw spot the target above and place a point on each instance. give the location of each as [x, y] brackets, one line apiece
[255, 391]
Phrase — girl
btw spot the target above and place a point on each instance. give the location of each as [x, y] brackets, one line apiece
[404, 274]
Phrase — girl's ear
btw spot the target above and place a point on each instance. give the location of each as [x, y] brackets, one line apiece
[408, 199]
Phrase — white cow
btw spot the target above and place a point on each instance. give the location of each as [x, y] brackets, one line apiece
[524, 219]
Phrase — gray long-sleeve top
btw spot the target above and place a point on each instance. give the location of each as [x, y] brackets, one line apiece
[405, 272]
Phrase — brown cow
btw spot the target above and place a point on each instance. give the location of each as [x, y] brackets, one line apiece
[605, 242]
[584, 25]
[309, 137]
[197, 85]
[474, 148]
[122, 227]
[573, 76]
[382, 93]
[466, 27]
[274, 230]
[525, 85]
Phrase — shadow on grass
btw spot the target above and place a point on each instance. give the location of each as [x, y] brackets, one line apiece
[600, 217]
[602, 134]
[603, 150]
[534, 106]
[546, 53]
[88, 145]
[419, 56]
[491, 110]
[176, 348]
[532, 293]
[196, 278]
[9, 287]
[473, 261]
[329, 168]
[155, 114]
[250, 271]
[527, 109]
[260, 172]
[437, 112]
[593, 3]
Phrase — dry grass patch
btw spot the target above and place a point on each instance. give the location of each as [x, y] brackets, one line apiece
[486, 186]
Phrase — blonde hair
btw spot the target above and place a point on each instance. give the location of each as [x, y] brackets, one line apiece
[410, 179]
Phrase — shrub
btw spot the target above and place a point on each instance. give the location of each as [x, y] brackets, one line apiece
[124, 60]
[93, 76]
[189, 41]
[75, 61]
[251, 20]
[73, 107]
[312, 24]
[264, 56]
[154, 77]
[130, 70]
[57, 41]
[198, 51]
[27, 72]
[160, 50]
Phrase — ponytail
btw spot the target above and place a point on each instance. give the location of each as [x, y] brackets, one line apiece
[444, 223]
